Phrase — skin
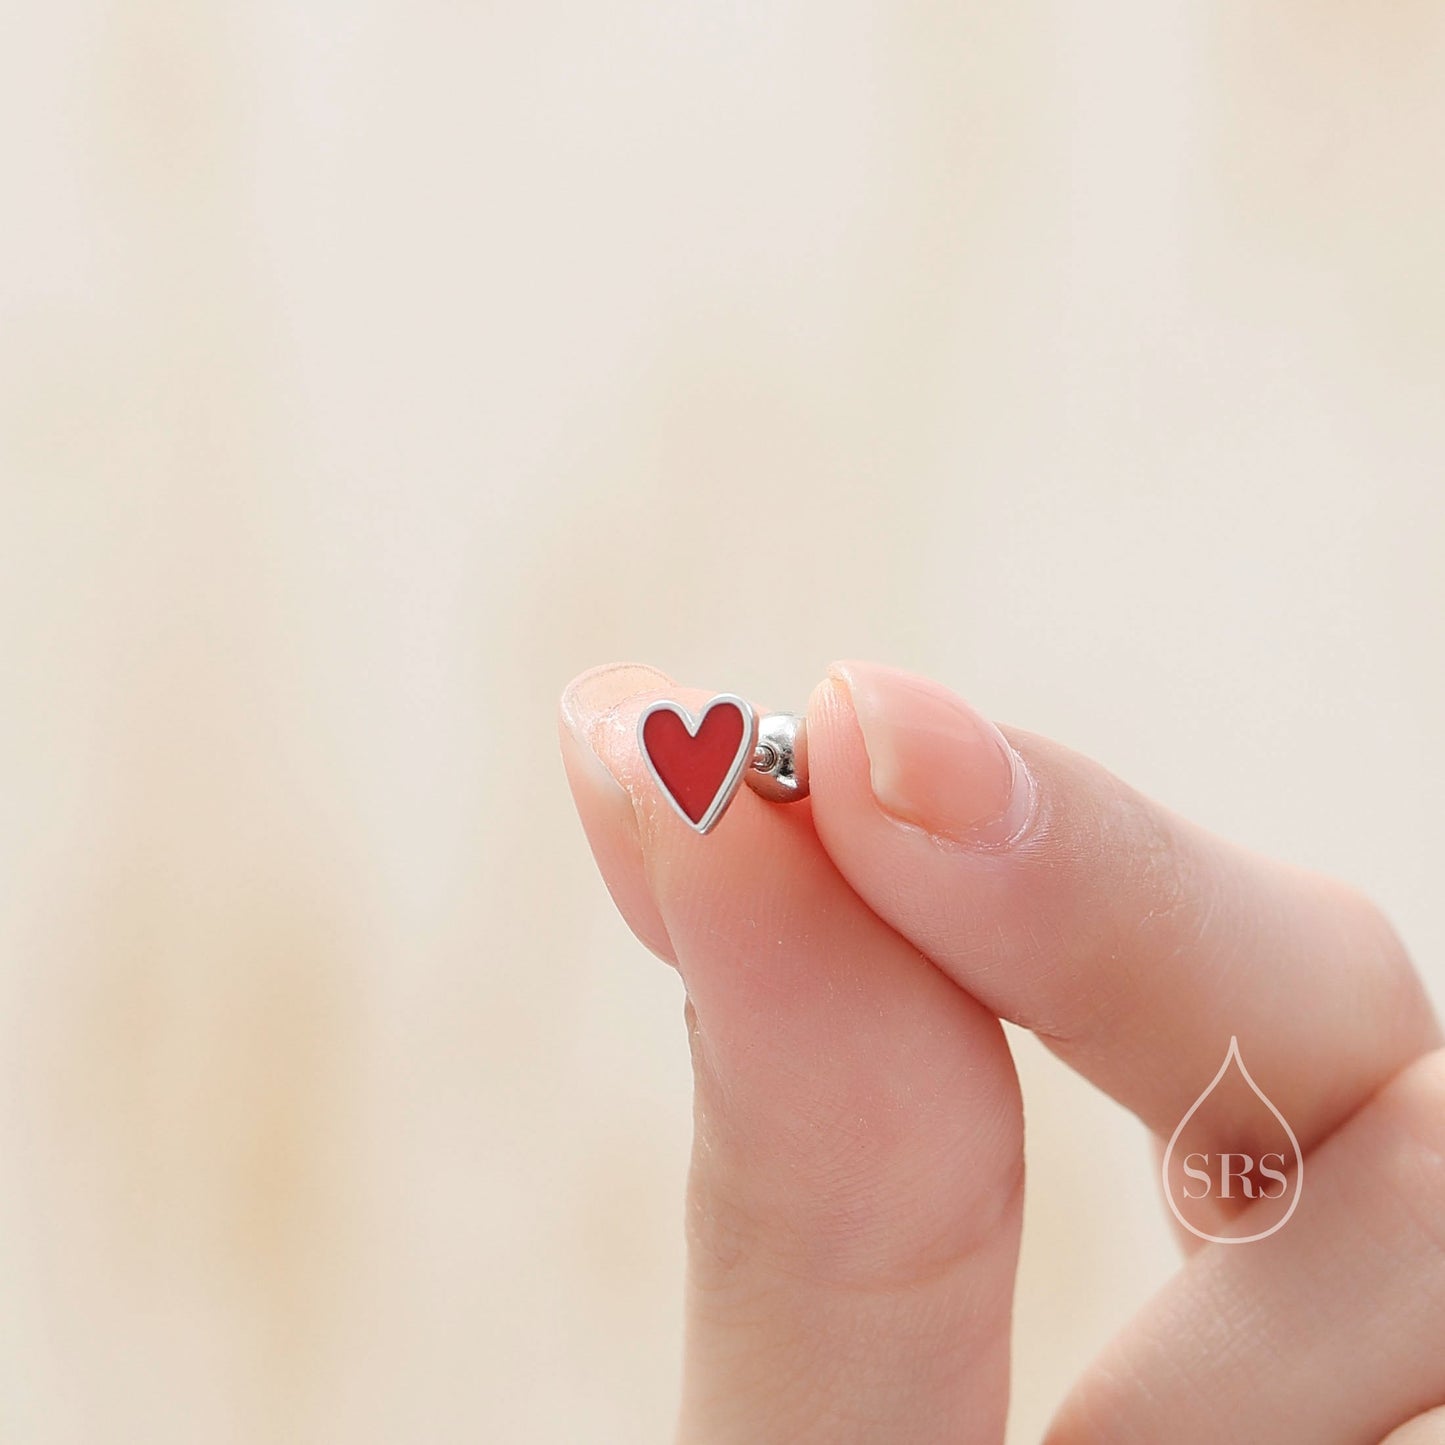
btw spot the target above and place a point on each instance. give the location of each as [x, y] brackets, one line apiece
[856, 1189]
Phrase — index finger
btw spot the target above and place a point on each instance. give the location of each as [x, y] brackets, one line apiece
[1134, 943]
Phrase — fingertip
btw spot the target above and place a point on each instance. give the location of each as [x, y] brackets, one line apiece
[838, 768]
[828, 695]
[935, 761]
[590, 703]
[595, 737]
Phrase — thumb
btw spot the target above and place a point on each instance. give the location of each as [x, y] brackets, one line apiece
[856, 1187]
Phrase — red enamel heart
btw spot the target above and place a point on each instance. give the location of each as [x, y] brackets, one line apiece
[699, 765]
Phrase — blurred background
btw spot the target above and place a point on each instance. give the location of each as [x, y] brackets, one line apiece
[367, 370]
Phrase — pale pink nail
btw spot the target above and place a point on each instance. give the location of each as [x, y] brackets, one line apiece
[933, 760]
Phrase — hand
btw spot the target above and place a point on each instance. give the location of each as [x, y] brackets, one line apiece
[856, 1188]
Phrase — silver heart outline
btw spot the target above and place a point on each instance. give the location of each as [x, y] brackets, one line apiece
[732, 779]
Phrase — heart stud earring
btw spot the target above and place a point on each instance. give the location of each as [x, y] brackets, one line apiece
[700, 763]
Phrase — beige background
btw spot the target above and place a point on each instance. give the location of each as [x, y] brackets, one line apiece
[367, 369]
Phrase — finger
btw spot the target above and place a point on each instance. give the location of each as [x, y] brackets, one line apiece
[1134, 943]
[1328, 1332]
[1427, 1429]
[854, 1199]
[589, 723]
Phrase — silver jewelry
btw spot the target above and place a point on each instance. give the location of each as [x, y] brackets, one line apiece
[700, 763]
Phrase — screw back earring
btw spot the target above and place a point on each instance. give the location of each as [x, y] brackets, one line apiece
[698, 763]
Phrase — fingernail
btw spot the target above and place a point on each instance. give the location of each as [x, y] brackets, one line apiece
[597, 739]
[593, 713]
[933, 760]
